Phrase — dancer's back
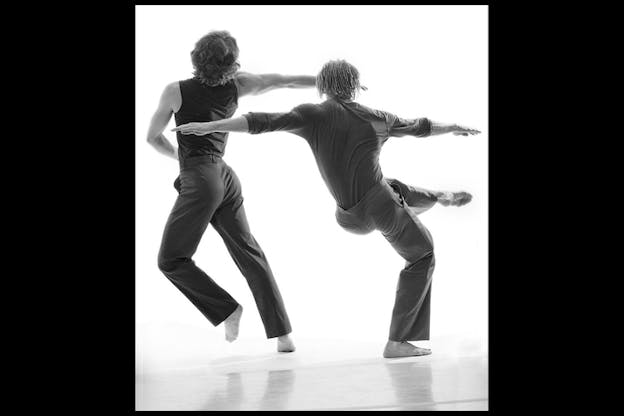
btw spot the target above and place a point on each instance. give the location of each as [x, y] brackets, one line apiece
[204, 103]
[346, 139]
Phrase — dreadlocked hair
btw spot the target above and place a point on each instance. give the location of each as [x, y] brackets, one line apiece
[215, 58]
[339, 79]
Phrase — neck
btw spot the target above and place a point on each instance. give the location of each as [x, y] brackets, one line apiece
[333, 97]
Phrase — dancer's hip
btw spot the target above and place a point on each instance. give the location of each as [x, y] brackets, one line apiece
[360, 219]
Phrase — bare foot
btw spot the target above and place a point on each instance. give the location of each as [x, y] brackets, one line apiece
[454, 198]
[285, 344]
[231, 324]
[395, 349]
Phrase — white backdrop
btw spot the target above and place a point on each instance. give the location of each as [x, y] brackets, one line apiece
[417, 61]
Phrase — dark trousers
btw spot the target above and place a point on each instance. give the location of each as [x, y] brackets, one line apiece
[385, 208]
[210, 192]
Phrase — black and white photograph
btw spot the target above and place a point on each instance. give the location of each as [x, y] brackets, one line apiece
[312, 207]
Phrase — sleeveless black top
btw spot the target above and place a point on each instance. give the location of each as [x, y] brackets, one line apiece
[202, 103]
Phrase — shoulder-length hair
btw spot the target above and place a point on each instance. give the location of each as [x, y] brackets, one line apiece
[215, 58]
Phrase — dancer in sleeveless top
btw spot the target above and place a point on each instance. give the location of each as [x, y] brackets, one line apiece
[209, 190]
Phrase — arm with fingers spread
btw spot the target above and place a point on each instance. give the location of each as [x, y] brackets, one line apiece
[159, 122]
[423, 127]
[442, 128]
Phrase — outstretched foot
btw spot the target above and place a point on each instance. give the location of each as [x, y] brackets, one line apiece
[285, 344]
[454, 198]
[395, 349]
[231, 324]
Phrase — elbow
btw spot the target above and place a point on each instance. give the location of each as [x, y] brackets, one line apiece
[301, 84]
[428, 127]
[153, 137]
[290, 82]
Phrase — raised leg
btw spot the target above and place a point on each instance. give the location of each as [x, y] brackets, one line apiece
[420, 200]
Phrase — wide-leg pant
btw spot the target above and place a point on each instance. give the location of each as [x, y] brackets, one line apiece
[386, 207]
[210, 192]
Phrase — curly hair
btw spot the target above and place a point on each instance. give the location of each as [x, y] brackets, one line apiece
[215, 58]
[339, 79]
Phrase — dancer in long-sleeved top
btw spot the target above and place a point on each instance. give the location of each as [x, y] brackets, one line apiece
[209, 190]
[346, 139]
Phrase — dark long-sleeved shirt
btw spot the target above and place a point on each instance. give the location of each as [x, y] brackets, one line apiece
[345, 138]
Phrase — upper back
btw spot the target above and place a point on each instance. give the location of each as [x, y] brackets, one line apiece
[202, 103]
[348, 126]
[346, 140]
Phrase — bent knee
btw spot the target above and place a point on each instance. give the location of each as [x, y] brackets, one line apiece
[423, 266]
[168, 264]
[424, 253]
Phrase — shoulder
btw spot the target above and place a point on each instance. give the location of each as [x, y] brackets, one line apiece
[173, 87]
[308, 109]
[242, 76]
[172, 95]
[373, 111]
[246, 83]
[386, 116]
[246, 79]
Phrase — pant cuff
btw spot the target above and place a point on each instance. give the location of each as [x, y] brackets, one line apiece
[217, 323]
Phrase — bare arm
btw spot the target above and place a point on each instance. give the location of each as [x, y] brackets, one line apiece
[254, 84]
[442, 128]
[169, 100]
[255, 123]
[238, 124]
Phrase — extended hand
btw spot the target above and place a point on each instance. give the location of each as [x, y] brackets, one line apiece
[464, 131]
[198, 129]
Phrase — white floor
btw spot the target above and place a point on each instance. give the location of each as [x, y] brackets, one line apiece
[185, 368]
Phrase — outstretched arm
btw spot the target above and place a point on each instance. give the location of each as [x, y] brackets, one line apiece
[423, 127]
[160, 119]
[253, 123]
[224, 125]
[456, 129]
[254, 84]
